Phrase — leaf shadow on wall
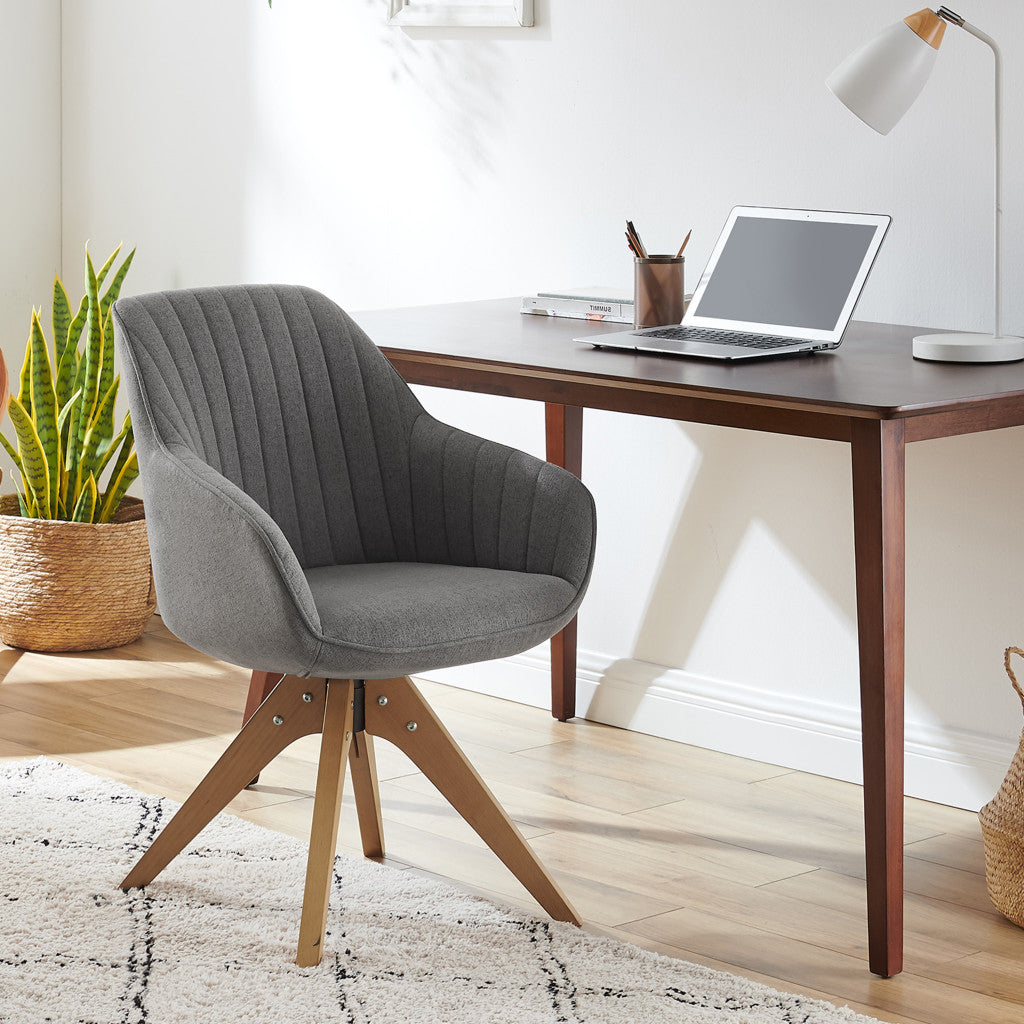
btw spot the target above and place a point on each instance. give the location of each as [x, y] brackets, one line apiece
[461, 78]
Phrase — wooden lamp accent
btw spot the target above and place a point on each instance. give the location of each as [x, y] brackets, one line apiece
[928, 25]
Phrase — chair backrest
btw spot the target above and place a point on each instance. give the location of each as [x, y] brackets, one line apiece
[279, 391]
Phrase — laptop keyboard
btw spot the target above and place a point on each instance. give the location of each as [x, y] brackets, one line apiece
[719, 337]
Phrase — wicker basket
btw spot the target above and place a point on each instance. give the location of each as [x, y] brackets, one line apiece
[74, 586]
[1002, 824]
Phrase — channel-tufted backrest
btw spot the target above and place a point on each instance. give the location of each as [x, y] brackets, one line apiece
[279, 391]
[275, 388]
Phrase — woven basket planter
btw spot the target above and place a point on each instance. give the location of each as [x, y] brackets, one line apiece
[73, 586]
[1002, 825]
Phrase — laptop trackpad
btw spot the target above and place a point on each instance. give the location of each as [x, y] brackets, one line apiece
[694, 348]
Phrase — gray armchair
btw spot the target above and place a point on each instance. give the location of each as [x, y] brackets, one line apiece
[310, 521]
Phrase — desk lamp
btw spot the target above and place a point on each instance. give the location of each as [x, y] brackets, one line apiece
[879, 83]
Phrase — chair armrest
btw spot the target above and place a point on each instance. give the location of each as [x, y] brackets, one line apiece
[477, 502]
[227, 581]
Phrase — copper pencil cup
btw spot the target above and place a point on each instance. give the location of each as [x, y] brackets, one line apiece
[657, 290]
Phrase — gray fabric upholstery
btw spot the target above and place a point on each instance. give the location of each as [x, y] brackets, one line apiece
[394, 610]
[307, 515]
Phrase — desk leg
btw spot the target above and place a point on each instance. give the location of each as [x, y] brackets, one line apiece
[878, 512]
[564, 434]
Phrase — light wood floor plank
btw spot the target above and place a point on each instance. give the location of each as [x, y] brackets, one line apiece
[925, 918]
[923, 816]
[965, 853]
[604, 750]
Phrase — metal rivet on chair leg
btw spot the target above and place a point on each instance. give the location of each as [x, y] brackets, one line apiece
[411, 726]
[308, 698]
[348, 735]
[382, 701]
[278, 720]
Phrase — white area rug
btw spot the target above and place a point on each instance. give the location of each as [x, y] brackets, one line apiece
[213, 939]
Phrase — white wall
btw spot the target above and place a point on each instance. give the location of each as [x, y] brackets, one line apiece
[29, 173]
[314, 143]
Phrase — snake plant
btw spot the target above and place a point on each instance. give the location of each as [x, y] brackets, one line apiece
[63, 414]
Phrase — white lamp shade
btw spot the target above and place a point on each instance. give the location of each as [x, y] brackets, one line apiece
[881, 80]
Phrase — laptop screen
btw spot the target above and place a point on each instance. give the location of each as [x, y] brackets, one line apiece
[787, 271]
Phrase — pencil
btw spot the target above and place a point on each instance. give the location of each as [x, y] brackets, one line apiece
[683, 246]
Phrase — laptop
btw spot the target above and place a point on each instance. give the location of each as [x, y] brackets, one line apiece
[778, 282]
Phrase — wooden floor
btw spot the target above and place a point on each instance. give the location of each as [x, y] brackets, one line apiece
[736, 864]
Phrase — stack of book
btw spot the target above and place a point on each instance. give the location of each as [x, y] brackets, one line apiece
[614, 305]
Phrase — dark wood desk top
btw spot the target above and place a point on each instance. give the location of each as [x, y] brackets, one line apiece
[490, 346]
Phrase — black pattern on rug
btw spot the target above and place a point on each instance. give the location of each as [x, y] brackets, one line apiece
[140, 912]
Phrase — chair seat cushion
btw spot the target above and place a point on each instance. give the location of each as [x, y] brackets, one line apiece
[395, 618]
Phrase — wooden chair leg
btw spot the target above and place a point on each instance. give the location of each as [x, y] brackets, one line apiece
[295, 708]
[396, 711]
[323, 837]
[261, 685]
[363, 765]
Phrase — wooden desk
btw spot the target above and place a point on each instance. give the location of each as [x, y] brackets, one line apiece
[870, 394]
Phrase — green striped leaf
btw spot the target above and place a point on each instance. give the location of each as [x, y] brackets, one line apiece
[85, 508]
[61, 319]
[113, 446]
[15, 458]
[99, 436]
[33, 461]
[93, 357]
[112, 292]
[127, 443]
[78, 324]
[63, 429]
[71, 449]
[25, 383]
[105, 269]
[67, 364]
[119, 486]
[105, 450]
[66, 375]
[65, 411]
[44, 408]
[107, 365]
[12, 451]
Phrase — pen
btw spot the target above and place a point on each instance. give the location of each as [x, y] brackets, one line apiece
[683, 246]
[638, 247]
[632, 244]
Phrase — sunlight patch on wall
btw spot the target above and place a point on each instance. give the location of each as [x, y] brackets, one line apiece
[771, 624]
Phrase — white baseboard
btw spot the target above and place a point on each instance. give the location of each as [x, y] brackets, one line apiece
[947, 766]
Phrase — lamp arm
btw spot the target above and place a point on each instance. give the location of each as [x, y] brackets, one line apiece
[998, 65]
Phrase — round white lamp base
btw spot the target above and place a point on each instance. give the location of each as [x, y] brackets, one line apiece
[968, 348]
